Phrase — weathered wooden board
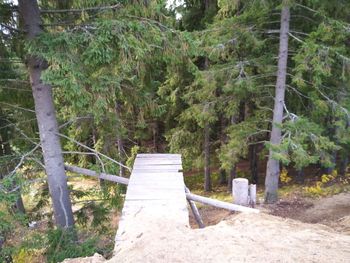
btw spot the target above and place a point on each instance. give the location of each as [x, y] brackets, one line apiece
[159, 155]
[152, 167]
[161, 161]
[155, 195]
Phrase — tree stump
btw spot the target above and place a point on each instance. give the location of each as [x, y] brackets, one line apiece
[252, 195]
[240, 191]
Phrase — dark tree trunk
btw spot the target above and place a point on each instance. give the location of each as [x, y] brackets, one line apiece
[120, 142]
[222, 179]
[253, 158]
[344, 165]
[223, 141]
[273, 166]
[233, 175]
[155, 132]
[47, 122]
[300, 176]
[207, 177]
[19, 206]
[329, 170]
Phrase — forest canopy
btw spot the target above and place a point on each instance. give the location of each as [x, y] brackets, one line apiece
[94, 83]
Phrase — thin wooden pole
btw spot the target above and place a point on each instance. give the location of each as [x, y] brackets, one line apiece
[220, 204]
[108, 177]
[195, 211]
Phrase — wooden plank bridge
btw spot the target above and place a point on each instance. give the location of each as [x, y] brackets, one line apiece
[155, 194]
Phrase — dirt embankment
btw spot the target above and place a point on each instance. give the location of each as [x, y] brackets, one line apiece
[332, 211]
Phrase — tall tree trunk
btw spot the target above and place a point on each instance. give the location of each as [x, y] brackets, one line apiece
[207, 177]
[47, 122]
[222, 178]
[300, 176]
[155, 132]
[120, 142]
[333, 159]
[232, 176]
[223, 141]
[273, 166]
[344, 165]
[253, 161]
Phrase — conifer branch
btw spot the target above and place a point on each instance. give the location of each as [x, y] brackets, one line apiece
[78, 10]
[10, 28]
[92, 150]
[17, 107]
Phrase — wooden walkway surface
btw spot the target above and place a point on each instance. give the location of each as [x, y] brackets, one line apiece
[155, 195]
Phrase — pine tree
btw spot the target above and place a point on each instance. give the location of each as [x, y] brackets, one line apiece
[46, 118]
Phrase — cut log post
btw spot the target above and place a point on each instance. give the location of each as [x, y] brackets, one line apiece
[220, 204]
[252, 195]
[195, 211]
[108, 177]
[240, 191]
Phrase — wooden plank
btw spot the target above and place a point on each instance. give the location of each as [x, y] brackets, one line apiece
[155, 194]
[148, 161]
[170, 168]
[159, 155]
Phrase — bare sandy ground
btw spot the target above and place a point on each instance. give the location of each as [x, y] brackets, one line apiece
[248, 238]
[240, 238]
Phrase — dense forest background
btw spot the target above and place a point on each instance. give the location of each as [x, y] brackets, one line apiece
[255, 89]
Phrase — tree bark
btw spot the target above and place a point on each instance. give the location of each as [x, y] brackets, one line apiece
[300, 176]
[47, 122]
[273, 166]
[232, 176]
[222, 178]
[223, 141]
[329, 170]
[254, 163]
[344, 165]
[120, 142]
[207, 177]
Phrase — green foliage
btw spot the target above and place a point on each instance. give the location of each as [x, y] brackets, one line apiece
[137, 74]
[54, 245]
[62, 244]
[303, 144]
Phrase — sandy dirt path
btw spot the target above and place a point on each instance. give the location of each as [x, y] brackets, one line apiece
[240, 238]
